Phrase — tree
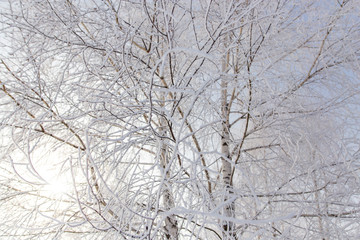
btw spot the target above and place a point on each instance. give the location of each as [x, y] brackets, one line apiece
[180, 119]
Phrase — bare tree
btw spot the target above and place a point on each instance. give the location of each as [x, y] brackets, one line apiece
[180, 119]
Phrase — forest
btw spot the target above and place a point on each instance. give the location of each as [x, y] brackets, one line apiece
[180, 119]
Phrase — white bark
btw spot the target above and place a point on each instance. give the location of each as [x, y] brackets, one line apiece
[229, 208]
[171, 230]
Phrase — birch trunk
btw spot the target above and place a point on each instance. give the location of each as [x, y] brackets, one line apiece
[229, 208]
[170, 228]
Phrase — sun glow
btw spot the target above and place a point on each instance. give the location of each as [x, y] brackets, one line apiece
[57, 187]
[56, 184]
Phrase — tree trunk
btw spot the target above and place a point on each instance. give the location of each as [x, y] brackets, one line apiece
[170, 228]
[229, 208]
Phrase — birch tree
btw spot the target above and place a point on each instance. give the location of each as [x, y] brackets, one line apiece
[180, 119]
